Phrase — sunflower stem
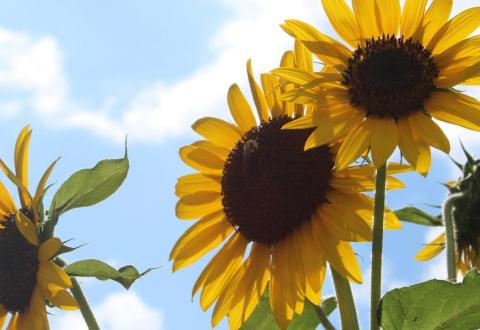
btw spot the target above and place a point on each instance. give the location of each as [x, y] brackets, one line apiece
[377, 245]
[346, 306]
[447, 214]
[324, 318]
[81, 300]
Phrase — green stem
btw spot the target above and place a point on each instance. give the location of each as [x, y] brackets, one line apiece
[81, 300]
[324, 318]
[377, 246]
[346, 306]
[447, 214]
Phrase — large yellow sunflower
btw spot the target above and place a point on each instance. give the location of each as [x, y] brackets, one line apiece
[283, 213]
[397, 72]
[27, 274]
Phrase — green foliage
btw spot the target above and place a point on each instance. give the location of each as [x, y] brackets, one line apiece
[434, 304]
[417, 216]
[90, 186]
[263, 319]
[125, 275]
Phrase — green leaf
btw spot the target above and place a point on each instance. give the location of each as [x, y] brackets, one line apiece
[329, 304]
[90, 186]
[125, 275]
[263, 319]
[414, 215]
[433, 304]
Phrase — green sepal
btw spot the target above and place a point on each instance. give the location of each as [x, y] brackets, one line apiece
[417, 216]
[434, 304]
[125, 275]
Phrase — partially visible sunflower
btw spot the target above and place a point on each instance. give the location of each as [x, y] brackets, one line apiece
[466, 219]
[27, 274]
[397, 72]
[289, 210]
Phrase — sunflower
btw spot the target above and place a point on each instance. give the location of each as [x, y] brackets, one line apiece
[466, 219]
[27, 274]
[283, 213]
[394, 77]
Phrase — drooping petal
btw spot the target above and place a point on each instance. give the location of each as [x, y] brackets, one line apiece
[343, 21]
[64, 300]
[388, 16]
[432, 249]
[384, 138]
[218, 131]
[413, 149]
[355, 144]
[52, 278]
[240, 109]
[455, 108]
[198, 204]
[428, 131]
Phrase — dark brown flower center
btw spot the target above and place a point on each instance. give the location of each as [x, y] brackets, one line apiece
[271, 185]
[390, 77]
[18, 268]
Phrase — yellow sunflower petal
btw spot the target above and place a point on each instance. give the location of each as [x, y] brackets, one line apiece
[257, 94]
[432, 249]
[270, 85]
[388, 16]
[413, 149]
[199, 240]
[287, 61]
[52, 278]
[344, 224]
[27, 228]
[455, 30]
[201, 160]
[428, 131]
[281, 310]
[303, 57]
[342, 20]
[240, 109]
[355, 184]
[455, 108]
[436, 15]
[384, 138]
[333, 127]
[365, 13]
[338, 253]
[327, 49]
[7, 205]
[412, 17]
[41, 185]
[463, 49]
[355, 144]
[49, 248]
[198, 204]
[475, 81]
[11, 176]
[21, 162]
[64, 300]
[12, 325]
[220, 270]
[462, 70]
[301, 77]
[218, 131]
[213, 148]
[192, 183]
[35, 316]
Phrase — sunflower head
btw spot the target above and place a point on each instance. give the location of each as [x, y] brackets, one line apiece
[395, 75]
[27, 274]
[277, 213]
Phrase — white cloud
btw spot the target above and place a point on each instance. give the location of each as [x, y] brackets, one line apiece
[119, 311]
[34, 66]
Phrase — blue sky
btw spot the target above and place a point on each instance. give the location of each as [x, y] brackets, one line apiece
[85, 73]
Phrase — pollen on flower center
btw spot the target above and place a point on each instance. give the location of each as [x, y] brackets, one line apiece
[390, 77]
[18, 268]
[271, 185]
